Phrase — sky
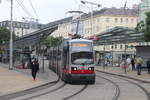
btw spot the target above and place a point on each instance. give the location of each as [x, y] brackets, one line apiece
[51, 10]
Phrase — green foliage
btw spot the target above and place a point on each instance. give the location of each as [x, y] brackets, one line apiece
[5, 35]
[53, 41]
[147, 28]
[140, 27]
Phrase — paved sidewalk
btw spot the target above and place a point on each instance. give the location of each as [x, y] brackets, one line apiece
[120, 71]
[21, 79]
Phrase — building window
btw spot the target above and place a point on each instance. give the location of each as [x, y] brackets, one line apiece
[112, 47]
[137, 20]
[22, 25]
[93, 21]
[88, 22]
[127, 20]
[107, 20]
[115, 46]
[107, 27]
[121, 20]
[98, 20]
[116, 20]
[17, 33]
[18, 25]
[97, 28]
[132, 20]
[121, 46]
[126, 46]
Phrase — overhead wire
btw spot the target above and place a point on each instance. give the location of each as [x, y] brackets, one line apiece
[24, 8]
[33, 8]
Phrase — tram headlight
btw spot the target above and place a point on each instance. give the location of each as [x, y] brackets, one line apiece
[91, 68]
[74, 68]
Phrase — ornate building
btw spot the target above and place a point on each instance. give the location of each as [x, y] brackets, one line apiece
[22, 28]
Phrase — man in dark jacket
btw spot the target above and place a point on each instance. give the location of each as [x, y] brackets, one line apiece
[133, 64]
[34, 68]
[148, 65]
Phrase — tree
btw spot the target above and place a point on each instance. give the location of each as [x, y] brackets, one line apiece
[5, 35]
[147, 28]
[140, 27]
[53, 41]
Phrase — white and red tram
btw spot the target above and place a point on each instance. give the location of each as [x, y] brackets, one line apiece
[73, 60]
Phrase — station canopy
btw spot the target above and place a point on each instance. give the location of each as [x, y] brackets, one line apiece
[118, 35]
[35, 37]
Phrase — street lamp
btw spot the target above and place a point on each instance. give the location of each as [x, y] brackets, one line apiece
[11, 40]
[92, 4]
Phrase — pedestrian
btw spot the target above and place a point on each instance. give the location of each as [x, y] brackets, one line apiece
[139, 63]
[148, 65]
[133, 64]
[34, 68]
[128, 63]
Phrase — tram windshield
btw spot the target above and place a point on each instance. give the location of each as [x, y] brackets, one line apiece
[82, 58]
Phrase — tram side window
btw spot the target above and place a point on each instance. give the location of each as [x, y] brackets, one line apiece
[64, 59]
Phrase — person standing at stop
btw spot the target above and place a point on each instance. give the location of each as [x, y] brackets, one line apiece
[139, 63]
[148, 65]
[34, 68]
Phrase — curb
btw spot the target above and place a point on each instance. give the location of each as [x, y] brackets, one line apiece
[24, 90]
[125, 76]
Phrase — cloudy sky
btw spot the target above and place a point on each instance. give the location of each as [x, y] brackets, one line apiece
[51, 10]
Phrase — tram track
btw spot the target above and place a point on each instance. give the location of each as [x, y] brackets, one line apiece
[54, 90]
[130, 80]
[28, 91]
[47, 92]
[141, 87]
[117, 93]
[82, 89]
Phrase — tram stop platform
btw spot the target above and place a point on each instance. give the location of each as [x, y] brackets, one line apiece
[20, 79]
[145, 77]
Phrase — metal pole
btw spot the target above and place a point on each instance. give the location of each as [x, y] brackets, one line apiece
[78, 21]
[11, 40]
[91, 3]
[104, 56]
[43, 62]
[91, 19]
[125, 69]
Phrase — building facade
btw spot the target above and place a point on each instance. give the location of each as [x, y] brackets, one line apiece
[103, 20]
[22, 28]
[107, 18]
[143, 8]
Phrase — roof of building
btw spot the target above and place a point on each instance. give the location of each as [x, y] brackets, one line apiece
[116, 11]
[61, 21]
[39, 26]
[104, 11]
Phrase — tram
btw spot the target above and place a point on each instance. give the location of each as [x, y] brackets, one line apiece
[73, 61]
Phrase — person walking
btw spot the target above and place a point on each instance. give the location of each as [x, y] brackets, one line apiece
[128, 63]
[139, 63]
[148, 65]
[133, 64]
[34, 68]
